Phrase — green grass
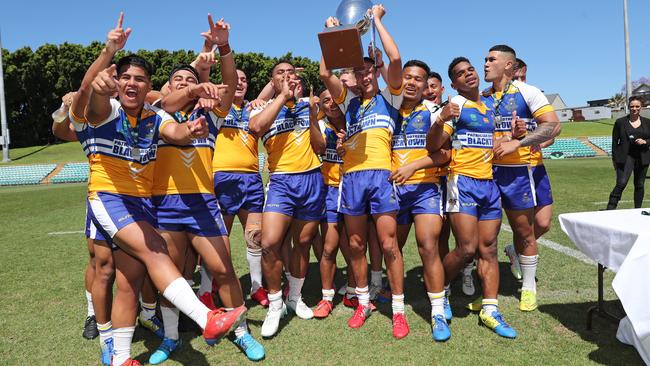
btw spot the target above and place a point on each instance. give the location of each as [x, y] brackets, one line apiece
[42, 304]
[579, 129]
[58, 153]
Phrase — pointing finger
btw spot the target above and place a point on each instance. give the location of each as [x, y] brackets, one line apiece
[120, 20]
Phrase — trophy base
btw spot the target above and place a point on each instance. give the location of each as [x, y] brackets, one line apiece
[341, 47]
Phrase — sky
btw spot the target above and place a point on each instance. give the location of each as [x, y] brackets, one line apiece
[572, 47]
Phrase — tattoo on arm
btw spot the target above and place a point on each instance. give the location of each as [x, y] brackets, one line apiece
[543, 132]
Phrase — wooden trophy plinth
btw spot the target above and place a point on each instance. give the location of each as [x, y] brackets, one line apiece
[341, 47]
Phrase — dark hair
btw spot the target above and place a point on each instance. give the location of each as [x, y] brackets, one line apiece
[454, 62]
[638, 98]
[280, 61]
[504, 48]
[134, 60]
[520, 64]
[420, 64]
[321, 90]
[434, 74]
[185, 67]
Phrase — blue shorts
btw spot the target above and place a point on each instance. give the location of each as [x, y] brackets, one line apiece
[416, 199]
[239, 191]
[110, 212]
[516, 185]
[299, 195]
[192, 213]
[476, 197]
[543, 193]
[367, 192]
[332, 214]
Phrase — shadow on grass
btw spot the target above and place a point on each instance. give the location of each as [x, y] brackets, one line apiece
[573, 318]
[31, 153]
[185, 355]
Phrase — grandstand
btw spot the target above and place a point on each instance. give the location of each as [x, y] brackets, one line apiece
[72, 173]
[24, 174]
[568, 148]
[602, 142]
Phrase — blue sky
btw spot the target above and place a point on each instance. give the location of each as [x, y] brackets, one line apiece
[572, 47]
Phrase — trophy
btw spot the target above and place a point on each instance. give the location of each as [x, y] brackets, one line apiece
[341, 46]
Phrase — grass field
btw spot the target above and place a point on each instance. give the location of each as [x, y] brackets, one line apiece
[42, 304]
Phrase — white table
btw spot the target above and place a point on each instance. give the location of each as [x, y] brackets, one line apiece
[619, 240]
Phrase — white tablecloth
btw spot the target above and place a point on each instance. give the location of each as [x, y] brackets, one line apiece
[620, 240]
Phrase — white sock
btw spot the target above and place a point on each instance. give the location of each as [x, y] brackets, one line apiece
[105, 331]
[448, 290]
[190, 282]
[528, 270]
[287, 275]
[242, 328]
[122, 338]
[398, 303]
[295, 288]
[275, 301]
[490, 305]
[350, 292]
[328, 295]
[363, 295]
[375, 278]
[184, 299]
[206, 280]
[437, 303]
[255, 267]
[89, 302]
[147, 310]
[170, 321]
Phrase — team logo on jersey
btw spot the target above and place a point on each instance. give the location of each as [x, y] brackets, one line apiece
[473, 117]
[511, 106]
[418, 124]
[187, 156]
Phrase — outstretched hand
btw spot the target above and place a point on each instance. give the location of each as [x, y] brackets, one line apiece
[198, 128]
[340, 147]
[105, 83]
[450, 111]
[117, 36]
[218, 33]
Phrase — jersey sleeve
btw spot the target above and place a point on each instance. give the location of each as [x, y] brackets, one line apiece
[535, 99]
[450, 126]
[215, 118]
[115, 112]
[434, 110]
[256, 111]
[343, 101]
[393, 96]
[165, 120]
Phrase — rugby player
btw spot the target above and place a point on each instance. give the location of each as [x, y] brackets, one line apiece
[295, 199]
[365, 189]
[473, 199]
[518, 170]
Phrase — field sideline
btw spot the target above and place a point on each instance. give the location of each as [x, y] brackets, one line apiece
[43, 306]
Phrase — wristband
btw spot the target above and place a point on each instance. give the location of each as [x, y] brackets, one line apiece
[224, 50]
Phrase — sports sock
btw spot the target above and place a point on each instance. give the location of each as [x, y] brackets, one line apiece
[275, 301]
[105, 331]
[170, 321]
[147, 310]
[437, 303]
[328, 295]
[242, 328]
[255, 267]
[184, 299]
[375, 278]
[528, 270]
[350, 292]
[363, 295]
[89, 303]
[190, 282]
[398, 303]
[490, 305]
[122, 338]
[206, 280]
[295, 288]
[448, 290]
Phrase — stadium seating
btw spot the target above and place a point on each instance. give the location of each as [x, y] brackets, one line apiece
[24, 174]
[72, 173]
[603, 142]
[568, 148]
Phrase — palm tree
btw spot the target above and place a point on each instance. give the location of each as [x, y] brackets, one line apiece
[617, 102]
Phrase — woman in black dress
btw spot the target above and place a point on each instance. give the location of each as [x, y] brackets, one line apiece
[630, 152]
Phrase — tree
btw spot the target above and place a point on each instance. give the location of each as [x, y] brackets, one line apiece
[637, 83]
[617, 102]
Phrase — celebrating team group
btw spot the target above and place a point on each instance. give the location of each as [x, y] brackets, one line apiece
[351, 167]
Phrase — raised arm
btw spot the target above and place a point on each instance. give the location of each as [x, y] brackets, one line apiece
[262, 121]
[315, 136]
[61, 126]
[104, 86]
[115, 41]
[331, 81]
[178, 99]
[394, 79]
[436, 137]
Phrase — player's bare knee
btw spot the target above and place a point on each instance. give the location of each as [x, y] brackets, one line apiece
[253, 237]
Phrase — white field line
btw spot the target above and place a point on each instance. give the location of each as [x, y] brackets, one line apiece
[604, 202]
[558, 247]
[81, 231]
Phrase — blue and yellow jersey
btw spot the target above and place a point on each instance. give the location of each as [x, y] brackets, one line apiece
[332, 162]
[410, 140]
[82, 129]
[369, 124]
[530, 103]
[287, 141]
[124, 164]
[187, 169]
[471, 139]
[235, 148]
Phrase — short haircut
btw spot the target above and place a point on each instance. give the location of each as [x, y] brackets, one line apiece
[281, 61]
[454, 62]
[134, 60]
[322, 90]
[435, 75]
[369, 60]
[420, 64]
[185, 67]
[504, 48]
[637, 98]
[520, 64]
